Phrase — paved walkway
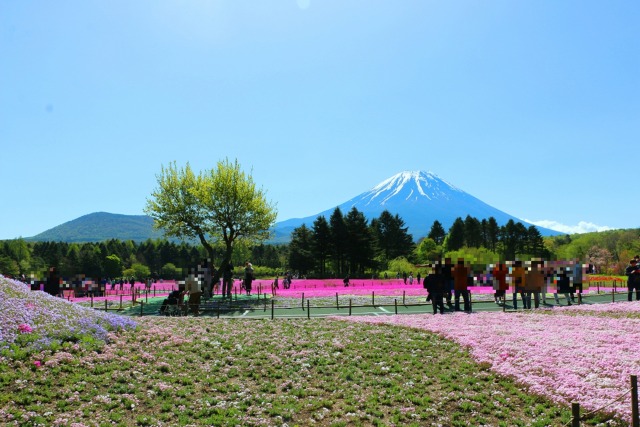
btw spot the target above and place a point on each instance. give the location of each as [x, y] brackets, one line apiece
[261, 307]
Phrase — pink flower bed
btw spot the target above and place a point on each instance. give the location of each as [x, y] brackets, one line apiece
[568, 358]
[314, 288]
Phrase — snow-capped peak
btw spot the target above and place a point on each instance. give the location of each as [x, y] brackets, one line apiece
[426, 184]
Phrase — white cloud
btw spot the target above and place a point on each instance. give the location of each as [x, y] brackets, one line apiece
[582, 227]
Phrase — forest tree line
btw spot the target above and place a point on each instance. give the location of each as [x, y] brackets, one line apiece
[124, 258]
[348, 244]
[343, 244]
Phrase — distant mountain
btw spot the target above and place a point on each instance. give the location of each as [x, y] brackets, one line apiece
[419, 198]
[99, 226]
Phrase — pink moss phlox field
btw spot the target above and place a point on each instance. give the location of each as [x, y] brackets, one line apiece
[316, 288]
[568, 358]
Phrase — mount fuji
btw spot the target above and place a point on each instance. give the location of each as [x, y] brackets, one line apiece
[419, 198]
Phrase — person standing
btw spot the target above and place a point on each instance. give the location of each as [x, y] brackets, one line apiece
[227, 280]
[193, 287]
[434, 283]
[447, 274]
[52, 286]
[518, 280]
[500, 285]
[633, 279]
[534, 282]
[563, 284]
[461, 275]
[248, 277]
[577, 276]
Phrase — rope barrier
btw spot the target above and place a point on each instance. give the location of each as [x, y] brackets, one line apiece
[583, 416]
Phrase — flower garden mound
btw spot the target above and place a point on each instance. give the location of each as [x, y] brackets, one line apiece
[582, 354]
[32, 321]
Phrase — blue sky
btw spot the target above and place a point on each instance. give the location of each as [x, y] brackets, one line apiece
[530, 106]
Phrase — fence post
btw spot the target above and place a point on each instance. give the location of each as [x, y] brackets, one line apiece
[395, 303]
[575, 414]
[120, 302]
[91, 300]
[308, 310]
[141, 308]
[337, 304]
[349, 306]
[105, 305]
[635, 418]
[403, 295]
[272, 314]
[373, 299]
[302, 301]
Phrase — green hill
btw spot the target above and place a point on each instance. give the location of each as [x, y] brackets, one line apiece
[99, 226]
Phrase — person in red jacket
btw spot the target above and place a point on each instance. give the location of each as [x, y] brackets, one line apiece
[500, 285]
[461, 274]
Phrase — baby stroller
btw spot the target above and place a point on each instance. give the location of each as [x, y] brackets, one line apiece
[174, 304]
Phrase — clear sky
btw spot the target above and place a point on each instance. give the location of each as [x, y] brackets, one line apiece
[532, 106]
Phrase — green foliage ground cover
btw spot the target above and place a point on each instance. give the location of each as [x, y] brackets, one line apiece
[228, 372]
[201, 371]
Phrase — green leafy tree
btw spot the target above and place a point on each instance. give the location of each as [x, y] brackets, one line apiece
[90, 262]
[113, 266]
[9, 266]
[170, 271]
[339, 237]
[491, 232]
[359, 243]
[321, 244]
[221, 204]
[400, 265]
[508, 240]
[437, 233]
[300, 254]
[427, 251]
[18, 250]
[535, 242]
[472, 232]
[455, 238]
[140, 271]
[392, 237]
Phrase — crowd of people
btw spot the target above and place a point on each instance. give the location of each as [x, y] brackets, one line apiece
[529, 282]
[204, 282]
